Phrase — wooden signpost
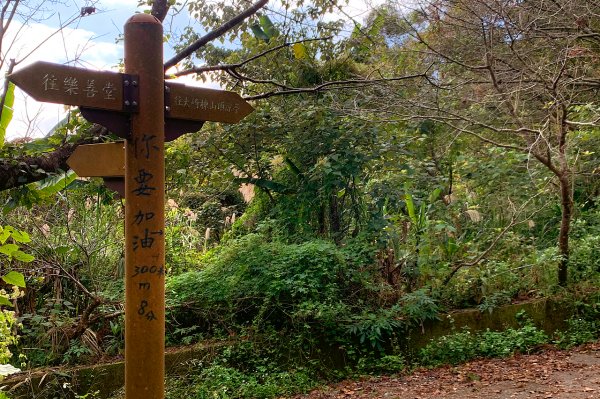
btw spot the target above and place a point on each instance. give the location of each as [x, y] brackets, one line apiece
[139, 106]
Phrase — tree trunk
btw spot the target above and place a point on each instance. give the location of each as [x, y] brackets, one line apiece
[16, 172]
[566, 205]
[321, 216]
[334, 218]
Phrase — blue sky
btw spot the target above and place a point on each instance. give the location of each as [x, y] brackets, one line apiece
[89, 43]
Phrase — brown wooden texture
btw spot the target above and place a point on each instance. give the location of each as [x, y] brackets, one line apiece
[99, 160]
[200, 104]
[62, 84]
[144, 215]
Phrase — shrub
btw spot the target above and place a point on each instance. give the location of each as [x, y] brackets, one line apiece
[244, 370]
[580, 331]
[228, 383]
[464, 346]
[252, 282]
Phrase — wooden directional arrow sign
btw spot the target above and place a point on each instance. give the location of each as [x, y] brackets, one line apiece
[99, 160]
[200, 104]
[64, 84]
[106, 160]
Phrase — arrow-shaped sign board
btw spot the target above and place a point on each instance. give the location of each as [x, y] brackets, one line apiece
[62, 84]
[201, 104]
[106, 160]
[99, 160]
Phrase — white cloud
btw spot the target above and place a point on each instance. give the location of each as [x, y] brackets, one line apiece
[37, 42]
[75, 46]
[191, 80]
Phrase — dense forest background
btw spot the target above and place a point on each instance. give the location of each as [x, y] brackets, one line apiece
[436, 156]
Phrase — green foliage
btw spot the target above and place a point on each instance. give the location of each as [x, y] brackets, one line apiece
[76, 353]
[387, 364]
[8, 324]
[7, 111]
[183, 238]
[580, 331]
[114, 341]
[250, 281]
[464, 346]
[584, 326]
[40, 191]
[89, 395]
[229, 383]
[367, 218]
[43, 332]
[12, 251]
[375, 328]
[246, 370]
[419, 306]
[14, 278]
[78, 243]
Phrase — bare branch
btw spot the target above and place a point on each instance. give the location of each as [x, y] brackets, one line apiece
[41, 43]
[220, 31]
[514, 221]
[229, 67]
[4, 25]
[338, 84]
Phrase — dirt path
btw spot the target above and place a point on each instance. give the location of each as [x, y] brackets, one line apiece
[551, 374]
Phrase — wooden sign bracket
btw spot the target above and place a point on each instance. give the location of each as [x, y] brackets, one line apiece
[131, 92]
[118, 123]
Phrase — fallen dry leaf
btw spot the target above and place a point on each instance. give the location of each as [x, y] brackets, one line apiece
[519, 377]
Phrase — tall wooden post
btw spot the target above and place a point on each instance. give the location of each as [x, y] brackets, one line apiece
[144, 213]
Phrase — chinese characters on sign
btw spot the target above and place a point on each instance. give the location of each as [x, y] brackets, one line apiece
[145, 229]
[202, 104]
[114, 100]
[147, 146]
[64, 84]
[71, 86]
[205, 104]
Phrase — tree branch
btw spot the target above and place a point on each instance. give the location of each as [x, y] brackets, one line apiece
[16, 172]
[186, 52]
[160, 8]
[338, 84]
[230, 67]
[513, 222]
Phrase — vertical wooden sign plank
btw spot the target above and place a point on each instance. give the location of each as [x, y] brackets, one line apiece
[144, 214]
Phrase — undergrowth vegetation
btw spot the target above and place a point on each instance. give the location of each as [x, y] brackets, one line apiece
[259, 369]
